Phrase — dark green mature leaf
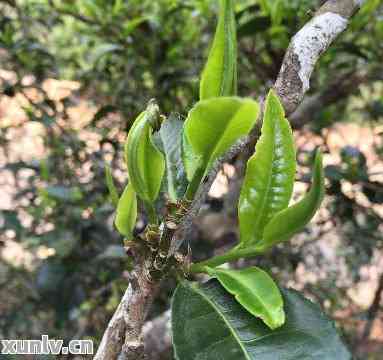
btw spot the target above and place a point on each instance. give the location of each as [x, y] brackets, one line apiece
[126, 214]
[293, 219]
[171, 136]
[269, 179]
[113, 193]
[207, 323]
[213, 126]
[146, 164]
[256, 291]
[219, 77]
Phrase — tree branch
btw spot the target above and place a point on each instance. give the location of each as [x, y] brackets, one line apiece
[123, 336]
[307, 46]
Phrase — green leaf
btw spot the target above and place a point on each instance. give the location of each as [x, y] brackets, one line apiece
[126, 214]
[171, 137]
[146, 164]
[102, 50]
[113, 193]
[256, 291]
[293, 219]
[219, 77]
[213, 126]
[269, 178]
[277, 8]
[190, 161]
[208, 323]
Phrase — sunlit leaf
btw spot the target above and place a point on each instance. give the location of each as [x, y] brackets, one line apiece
[146, 164]
[213, 126]
[219, 77]
[293, 219]
[269, 179]
[126, 214]
[256, 291]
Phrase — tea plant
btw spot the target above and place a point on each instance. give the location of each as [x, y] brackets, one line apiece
[237, 314]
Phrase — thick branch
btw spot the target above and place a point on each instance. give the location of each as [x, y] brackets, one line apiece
[123, 334]
[307, 46]
[114, 335]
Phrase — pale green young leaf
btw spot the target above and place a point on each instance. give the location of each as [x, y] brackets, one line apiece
[213, 126]
[208, 323]
[113, 193]
[256, 291]
[126, 214]
[219, 77]
[146, 164]
[293, 219]
[270, 173]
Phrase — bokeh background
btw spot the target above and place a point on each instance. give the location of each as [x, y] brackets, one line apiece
[73, 76]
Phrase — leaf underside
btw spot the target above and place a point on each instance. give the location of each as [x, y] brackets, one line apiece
[209, 324]
[171, 137]
[270, 173]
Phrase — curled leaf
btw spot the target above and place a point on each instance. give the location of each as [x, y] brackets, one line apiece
[270, 173]
[146, 164]
[256, 291]
[219, 77]
[293, 219]
[126, 214]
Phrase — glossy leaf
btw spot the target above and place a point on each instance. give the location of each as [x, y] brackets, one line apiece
[269, 178]
[113, 193]
[219, 77]
[126, 214]
[146, 164]
[171, 137]
[208, 323]
[293, 219]
[256, 291]
[213, 126]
